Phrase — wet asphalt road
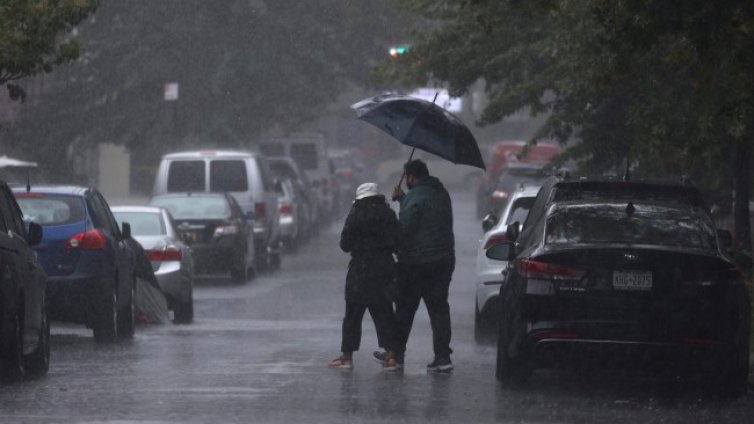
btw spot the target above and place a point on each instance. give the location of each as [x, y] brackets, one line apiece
[257, 353]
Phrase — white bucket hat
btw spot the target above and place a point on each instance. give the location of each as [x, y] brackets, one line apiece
[367, 190]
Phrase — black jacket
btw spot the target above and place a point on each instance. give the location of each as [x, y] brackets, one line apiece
[371, 235]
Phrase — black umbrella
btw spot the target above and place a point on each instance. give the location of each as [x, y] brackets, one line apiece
[421, 124]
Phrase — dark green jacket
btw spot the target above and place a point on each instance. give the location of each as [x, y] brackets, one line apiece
[426, 219]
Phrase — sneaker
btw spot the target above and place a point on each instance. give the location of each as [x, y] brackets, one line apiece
[341, 362]
[440, 364]
[379, 357]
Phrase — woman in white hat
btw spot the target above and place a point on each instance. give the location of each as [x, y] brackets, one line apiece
[371, 235]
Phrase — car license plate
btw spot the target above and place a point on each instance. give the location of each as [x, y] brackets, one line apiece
[632, 280]
[191, 236]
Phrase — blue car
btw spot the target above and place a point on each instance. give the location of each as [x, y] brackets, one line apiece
[89, 264]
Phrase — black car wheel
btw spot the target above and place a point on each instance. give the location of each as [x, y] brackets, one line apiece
[511, 372]
[127, 315]
[239, 272]
[38, 362]
[184, 311]
[13, 368]
[105, 325]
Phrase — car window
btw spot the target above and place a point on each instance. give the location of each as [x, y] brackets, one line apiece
[186, 176]
[614, 225]
[142, 223]
[102, 217]
[194, 207]
[228, 175]
[47, 209]
[305, 155]
[519, 210]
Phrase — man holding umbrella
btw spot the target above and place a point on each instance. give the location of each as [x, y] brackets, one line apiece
[426, 260]
[426, 257]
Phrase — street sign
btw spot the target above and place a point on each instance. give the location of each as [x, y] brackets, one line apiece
[171, 91]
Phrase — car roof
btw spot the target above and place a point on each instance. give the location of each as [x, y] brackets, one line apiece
[52, 189]
[210, 154]
[191, 194]
[138, 209]
[607, 188]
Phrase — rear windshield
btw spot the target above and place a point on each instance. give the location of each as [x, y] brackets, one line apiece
[228, 175]
[186, 175]
[142, 223]
[194, 207]
[651, 226]
[51, 209]
[305, 155]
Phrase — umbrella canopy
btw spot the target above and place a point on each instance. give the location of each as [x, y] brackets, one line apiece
[5, 161]
[423, 125]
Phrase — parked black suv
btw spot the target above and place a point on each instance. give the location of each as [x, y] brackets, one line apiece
[623, 273]
[24, 326]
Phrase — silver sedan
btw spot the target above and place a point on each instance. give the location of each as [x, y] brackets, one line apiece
[171, 259]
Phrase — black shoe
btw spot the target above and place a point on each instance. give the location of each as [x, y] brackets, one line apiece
[440, 364]
[379, 357]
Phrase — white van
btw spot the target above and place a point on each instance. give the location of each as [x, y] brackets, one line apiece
[309, 150]
[245, 175]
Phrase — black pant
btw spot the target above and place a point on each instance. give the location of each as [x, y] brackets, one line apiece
[429, 282]
[384, 322]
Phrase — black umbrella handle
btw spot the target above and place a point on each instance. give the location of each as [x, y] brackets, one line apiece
[403, 174]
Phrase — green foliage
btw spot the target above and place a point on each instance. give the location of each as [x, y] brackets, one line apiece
[30, 37]
[242, 67]
[667, 83]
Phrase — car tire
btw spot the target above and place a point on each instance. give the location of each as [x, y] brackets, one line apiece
[127, 315]
[239, 273]
[105, 325]
[38, 362]
[275, 261]
[510, 372]
[184, 311]
[13, 367]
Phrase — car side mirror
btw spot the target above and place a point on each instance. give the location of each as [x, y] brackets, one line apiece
[500, 252]
[489, 221]
[512, 231]
[125, 230]
[726, 238]
[34, 235]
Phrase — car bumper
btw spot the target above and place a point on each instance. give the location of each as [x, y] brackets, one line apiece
[287, 226]
[487, 296]
[173, 281]
[215, 257]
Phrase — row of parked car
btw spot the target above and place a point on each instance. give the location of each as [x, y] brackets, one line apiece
[578, 272]
[68, 256]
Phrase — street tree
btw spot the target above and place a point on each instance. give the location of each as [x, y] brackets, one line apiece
[35, 37]
[664, 85]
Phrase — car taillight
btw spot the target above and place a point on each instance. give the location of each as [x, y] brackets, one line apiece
[286, 209]
[260, 210]
[166, 254]
[90, 240]
[223, 230]
[547, 271]
[499, 195]
[495, 240]
[345, 173]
